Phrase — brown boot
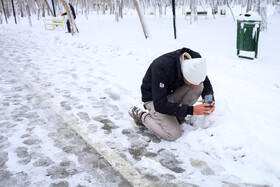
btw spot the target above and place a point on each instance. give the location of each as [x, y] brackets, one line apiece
[136, 113]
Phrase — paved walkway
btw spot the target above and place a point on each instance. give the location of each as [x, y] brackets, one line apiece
[37, 148]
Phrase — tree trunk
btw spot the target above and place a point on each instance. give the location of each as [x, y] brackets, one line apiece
[88, 5]
[111, 7]
[257, 6]
[141, 18]
[116, 10]
[8, 11]
[183, 7]
[43, 8]
[144, 7]
[230, 10]
[261, 8]
[49, 8]
[194, 17]
[4, 11]
[14, 11]
[277, 8]
[103, 8]
[85, 8]
[159, 8]
[249, 5]
[21, 9]
[28, 12]
[244, 3]
[263, 13]
[121, 9]
[53, 9]
[38, 9]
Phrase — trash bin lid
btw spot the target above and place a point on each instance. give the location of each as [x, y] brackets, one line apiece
[249, 16]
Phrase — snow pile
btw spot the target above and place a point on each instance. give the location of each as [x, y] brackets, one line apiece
[250, 16]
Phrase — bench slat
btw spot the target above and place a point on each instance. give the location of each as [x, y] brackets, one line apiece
[53, 23]
[198, 13]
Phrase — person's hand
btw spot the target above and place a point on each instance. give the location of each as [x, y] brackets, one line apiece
[203, 109]
[212, 104]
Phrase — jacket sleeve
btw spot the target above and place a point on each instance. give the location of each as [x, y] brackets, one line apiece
[160, 93]
[208, 89]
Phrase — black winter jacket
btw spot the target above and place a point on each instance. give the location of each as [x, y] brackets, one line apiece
[163, 77]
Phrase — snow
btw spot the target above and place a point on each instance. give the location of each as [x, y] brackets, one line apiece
[250, 16]
[255, 30]
[96, 76]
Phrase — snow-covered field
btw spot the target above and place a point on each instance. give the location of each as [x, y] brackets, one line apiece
[96, 76]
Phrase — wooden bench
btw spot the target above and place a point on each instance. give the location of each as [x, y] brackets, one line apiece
[198, 13]
[51, 24]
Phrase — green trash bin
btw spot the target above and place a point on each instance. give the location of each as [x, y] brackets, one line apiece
[248, 30]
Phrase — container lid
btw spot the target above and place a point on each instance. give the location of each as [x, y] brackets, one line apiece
[250, 16]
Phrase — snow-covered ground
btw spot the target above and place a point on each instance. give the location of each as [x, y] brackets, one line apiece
[96, 76]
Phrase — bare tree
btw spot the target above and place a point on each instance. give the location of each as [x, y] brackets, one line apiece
[263, 13]
[141, 18]
[28, 11]
[38, 8]
[277, 8]
[117, 4]
[1, 17]
[193, 6]
[159, 4]
[43, 9]
[121, 8]
[13, 5]
[260, 7]
[49, 6]
[256, 6]
[7, 7]
[4, 12]
[249, 5]
[85, 8]
[230, 10]
[183, 7]
[111, 7]
[20, 5]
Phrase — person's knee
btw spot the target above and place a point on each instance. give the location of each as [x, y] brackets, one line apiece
[174, 135]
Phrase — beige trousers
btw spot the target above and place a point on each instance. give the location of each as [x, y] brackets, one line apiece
[167, 126]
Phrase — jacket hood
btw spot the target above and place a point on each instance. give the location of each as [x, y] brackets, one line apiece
[179, 53]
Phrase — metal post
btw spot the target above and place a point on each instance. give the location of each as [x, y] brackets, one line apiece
[174, 18]
[14, 11]
[4, 12]
[53, 9]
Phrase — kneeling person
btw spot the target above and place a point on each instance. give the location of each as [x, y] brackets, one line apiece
[171, 86]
